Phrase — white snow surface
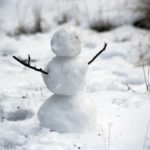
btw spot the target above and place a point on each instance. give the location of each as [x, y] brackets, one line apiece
[114, 83]
[123, 113]
[66, 76]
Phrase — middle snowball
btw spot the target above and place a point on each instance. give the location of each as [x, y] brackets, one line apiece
[66, 76]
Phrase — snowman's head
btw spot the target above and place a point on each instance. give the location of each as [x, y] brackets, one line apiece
[66, 42]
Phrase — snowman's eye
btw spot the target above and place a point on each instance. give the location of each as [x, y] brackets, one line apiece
[76, 37]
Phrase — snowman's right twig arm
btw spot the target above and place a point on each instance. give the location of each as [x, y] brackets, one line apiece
[28, 64]
[104, 48]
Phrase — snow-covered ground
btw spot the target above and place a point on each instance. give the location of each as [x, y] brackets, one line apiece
[114, 84]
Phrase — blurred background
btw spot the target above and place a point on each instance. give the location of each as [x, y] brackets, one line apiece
[26, 27]
[31, 16]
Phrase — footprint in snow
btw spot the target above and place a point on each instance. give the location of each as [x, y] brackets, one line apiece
[18, 115]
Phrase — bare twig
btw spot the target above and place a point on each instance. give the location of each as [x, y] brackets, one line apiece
[29, 60]
[109, 129]
[143, 66]
[148, 78]
[40, 70]
[104, 48]
[146, 134]
[103, 137]
[129, 88]
[28, 64]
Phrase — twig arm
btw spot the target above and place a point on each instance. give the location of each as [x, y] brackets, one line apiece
[28, 64]
[104, 48]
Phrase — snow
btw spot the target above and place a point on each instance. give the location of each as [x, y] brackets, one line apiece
[65, 113]
[114, 84]
[65, 75]
[66, 42]
[66, 110]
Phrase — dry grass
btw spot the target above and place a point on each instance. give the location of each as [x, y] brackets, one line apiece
[63, 18]
[146, 135]
[145, 9]
[37, 16]
[24, 26]
[146, 73]
[101, 26]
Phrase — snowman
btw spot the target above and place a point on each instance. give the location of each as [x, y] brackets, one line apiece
[67, 110]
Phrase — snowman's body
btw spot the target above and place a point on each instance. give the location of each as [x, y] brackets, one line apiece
[66, 110]
[67, 113]
[66, 76]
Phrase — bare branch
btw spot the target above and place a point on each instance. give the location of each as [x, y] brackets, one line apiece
[148, 80]
[143, 66]
[28, 64]
[29, 60]
[104, 48]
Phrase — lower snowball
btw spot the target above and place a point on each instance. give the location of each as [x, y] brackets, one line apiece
[67, 114]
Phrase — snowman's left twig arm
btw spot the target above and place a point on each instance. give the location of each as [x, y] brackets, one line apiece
[104, 48]
[28, 64]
